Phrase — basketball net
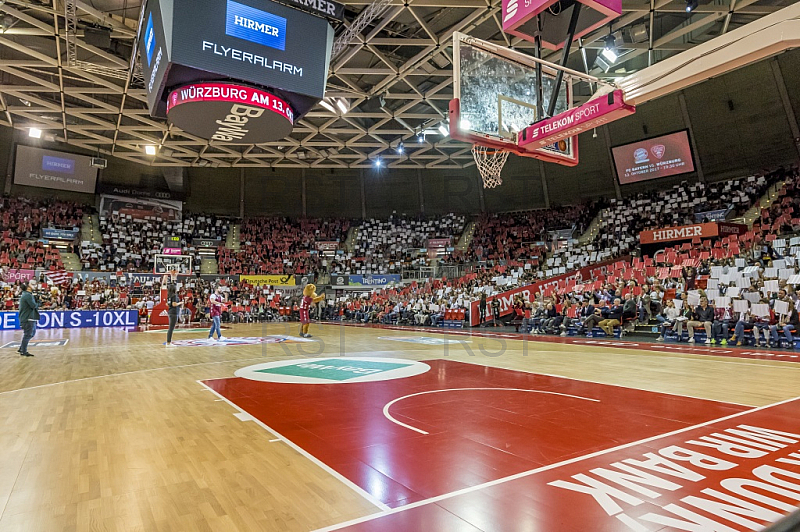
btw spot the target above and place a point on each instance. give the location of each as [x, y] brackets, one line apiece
[490, 162]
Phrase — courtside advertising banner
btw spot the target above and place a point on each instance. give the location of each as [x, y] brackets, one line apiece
[141, 208]
[689, 232]
[374, 280]
[663, 156]
[268, 280]
[36, 167]
[529, 291]
[74, 319]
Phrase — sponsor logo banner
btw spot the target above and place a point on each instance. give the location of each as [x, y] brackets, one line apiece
[689, 232]
[57, 164]
[373, 280]
[74, 319]
[207, 242]
[230, 113]
[254, 25]
[12, 276]
[59, 234]
[424, 340]
[171, 251]
[323, 8]
[434, 243]
[270, 280]
[576, 120]
[117, 190]
[339, 370]
[712, 216]
[340, 280]
[38, 343]
[327, 246]
[149, 39]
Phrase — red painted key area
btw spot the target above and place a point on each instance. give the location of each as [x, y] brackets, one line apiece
[474, 435]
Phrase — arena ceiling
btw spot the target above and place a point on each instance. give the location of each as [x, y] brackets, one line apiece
[60, 72]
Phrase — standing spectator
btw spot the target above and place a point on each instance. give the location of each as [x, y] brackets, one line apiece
[173, 306]
[28, 317]
[215, 302]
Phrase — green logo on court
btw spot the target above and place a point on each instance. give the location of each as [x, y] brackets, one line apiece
[333, 369]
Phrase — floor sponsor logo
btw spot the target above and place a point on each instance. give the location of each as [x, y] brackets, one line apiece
[37, 343]
[247, 340]
[333, 370]
[425, 340]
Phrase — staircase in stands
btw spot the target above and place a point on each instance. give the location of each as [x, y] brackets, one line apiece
[233, 241]
[754, 213]
[350, 241]
[466, 237]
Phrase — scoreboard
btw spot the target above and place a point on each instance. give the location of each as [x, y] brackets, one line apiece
[172, 242]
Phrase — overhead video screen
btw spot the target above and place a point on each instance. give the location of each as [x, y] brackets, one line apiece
[254, 40]
[654, 158]
[36, 167]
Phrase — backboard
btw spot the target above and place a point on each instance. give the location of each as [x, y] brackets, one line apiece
[495, 99]
[164, 264]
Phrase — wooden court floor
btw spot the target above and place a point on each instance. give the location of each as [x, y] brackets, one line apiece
[114, 432]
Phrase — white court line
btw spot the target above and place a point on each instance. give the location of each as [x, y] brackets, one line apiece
[599, 382]
[346, 481]
[524, 474]
[388, 405]
[129, 373]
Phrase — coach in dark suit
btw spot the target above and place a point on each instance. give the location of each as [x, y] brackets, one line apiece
[28, 318]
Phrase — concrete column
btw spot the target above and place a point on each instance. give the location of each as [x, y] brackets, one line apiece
[303, 191]
[787, 103]
[421, 194]
[607, 138]
[241, 192]
[11, 155]
[480, 193]
[544, 185]
[363, 195]
[685, 112]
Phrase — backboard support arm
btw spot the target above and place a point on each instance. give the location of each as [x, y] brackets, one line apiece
[573, 24]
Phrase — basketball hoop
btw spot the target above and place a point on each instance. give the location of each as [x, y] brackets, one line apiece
[490, 162]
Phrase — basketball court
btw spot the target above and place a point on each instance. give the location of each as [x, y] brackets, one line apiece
[368, 428]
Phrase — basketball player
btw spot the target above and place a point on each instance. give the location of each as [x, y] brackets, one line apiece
[309, 298]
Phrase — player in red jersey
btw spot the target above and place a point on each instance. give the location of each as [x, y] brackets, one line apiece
[309, 298]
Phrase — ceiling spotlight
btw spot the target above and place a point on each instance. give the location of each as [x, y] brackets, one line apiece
[400, 147]
[443, 130]
[35, 133]
[25, 102]
[690, 5]
[342, 105]
[377, 163]
[150, 150]
[326, 105]
[610, 50]
[421, 138]
[465, 124]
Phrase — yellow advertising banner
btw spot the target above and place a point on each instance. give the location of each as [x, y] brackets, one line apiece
[270, 280]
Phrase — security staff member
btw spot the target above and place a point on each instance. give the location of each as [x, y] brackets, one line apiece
[28, 317]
